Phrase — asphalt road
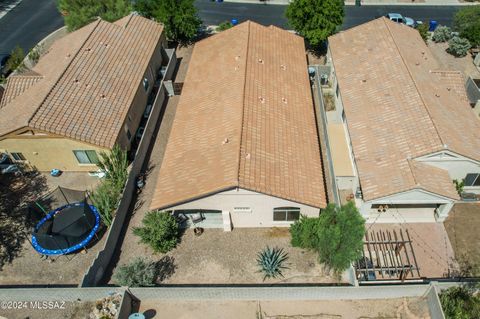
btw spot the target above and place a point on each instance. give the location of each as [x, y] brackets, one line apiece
[28, 23]
[32, 20]
[213, 13]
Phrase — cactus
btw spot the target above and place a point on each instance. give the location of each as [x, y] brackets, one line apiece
[271, 262]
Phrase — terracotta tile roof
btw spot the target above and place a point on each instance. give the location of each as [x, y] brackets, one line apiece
[396, 107]
[433, 179]
[90, 79]
[454, 81]
[245, 119]
[16, 85]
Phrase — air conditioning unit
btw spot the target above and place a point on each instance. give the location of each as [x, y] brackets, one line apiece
[358, 193]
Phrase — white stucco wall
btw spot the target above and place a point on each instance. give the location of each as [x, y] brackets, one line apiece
[409, 214]
[261, 205]
[456, 165]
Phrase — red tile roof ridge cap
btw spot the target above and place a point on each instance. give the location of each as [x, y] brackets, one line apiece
[243, 104]
[65, 70]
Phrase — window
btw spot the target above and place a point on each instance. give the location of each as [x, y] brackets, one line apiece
[145, 84]
[129, 135]
[337, 91]
[286, 214]
[472, 180]
[86, 157]
[18, 156]
[242, 210]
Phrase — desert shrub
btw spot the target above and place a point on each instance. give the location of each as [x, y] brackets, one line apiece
[423, 30]
[458, 46]
[140, 272]
[160, 231]
[224, 26]
[106, 196]
[460, 303]
[442, 34]
[16, 59]
[337, 235]
[271, 262]
[303, 232]
[329, 100]
[34, 54]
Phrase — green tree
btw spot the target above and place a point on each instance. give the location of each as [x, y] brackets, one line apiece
[160, 231]
[460, 303]
[224, 26]
[141, 272]
[78, 13]
[315, 20]
[467, 23]
[178, 16]
[337, 235]
[115, 164]
[423, 30]
[16, 59]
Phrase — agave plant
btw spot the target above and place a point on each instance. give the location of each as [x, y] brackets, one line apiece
[271, 262]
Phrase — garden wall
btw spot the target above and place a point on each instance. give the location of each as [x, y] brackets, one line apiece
[95, 273]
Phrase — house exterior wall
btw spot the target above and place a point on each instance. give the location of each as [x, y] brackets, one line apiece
[418, 206]
[261, 214]
[47, 153]
[139, 103]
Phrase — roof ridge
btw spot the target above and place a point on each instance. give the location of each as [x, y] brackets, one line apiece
[248, 22]
[64, 71]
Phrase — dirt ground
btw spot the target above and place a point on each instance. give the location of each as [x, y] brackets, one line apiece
[70, 310]
[414, 308]
[218, 257]
[449, 62]
[17, 256]
[462, 227]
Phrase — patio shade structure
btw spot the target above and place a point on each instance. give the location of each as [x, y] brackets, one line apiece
[387, 256]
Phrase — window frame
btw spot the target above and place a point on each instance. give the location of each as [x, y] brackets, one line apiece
[92, 159]
[476, 180]
[287, 210]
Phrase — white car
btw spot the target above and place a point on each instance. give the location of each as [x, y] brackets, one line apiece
[397, 17]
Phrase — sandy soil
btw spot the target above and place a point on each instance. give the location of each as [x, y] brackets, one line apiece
[30, 269]
[387, 308]
[462, 228]
[217, 257]
[449, 62]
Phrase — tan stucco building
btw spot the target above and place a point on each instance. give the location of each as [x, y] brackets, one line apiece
[88, 92]
[244, 148]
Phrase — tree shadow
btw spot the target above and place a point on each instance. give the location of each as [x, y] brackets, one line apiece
[165, 268]
[16, 219]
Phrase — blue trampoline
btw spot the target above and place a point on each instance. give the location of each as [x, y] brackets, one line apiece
[66, 229]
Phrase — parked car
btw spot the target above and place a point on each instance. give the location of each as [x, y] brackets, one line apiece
[3, 64]
[397, 17]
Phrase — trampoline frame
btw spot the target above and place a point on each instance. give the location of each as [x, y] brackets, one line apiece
[73, 248]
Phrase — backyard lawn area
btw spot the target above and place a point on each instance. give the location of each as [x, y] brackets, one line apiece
[462, 227]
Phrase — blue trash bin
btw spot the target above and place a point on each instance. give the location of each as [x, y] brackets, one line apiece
[234, 22]
[433, 25]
